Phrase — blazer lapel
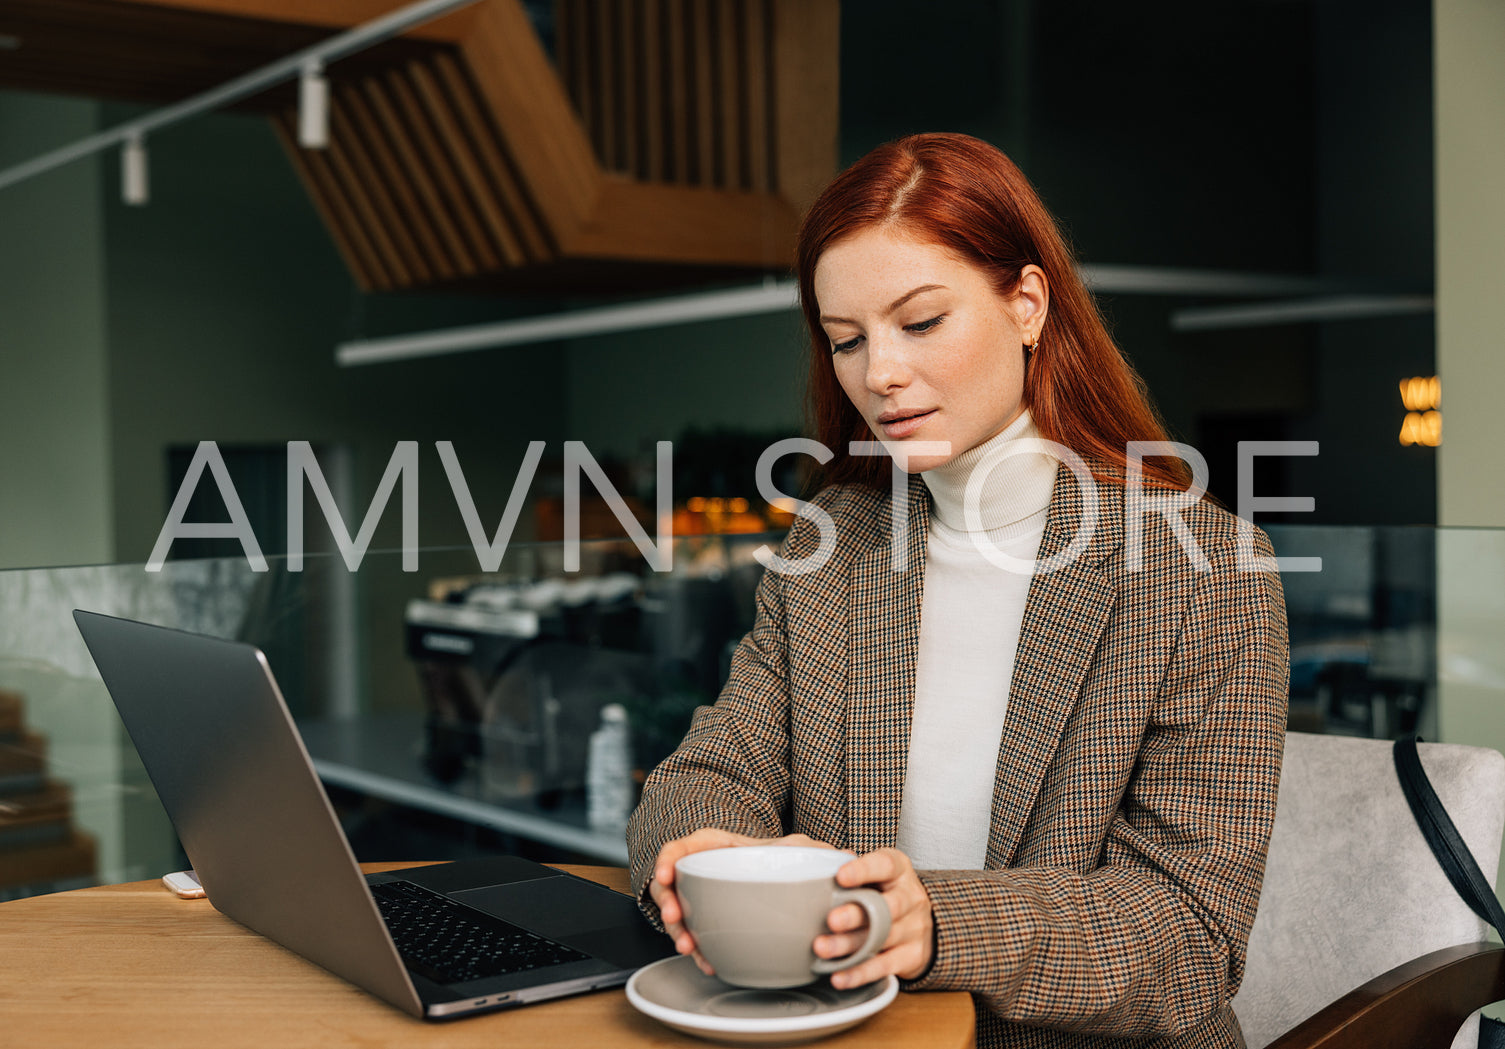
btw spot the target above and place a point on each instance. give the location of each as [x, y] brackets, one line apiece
[883, 647]
[1065, 614]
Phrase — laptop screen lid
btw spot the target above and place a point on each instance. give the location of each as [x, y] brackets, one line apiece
[229, 766]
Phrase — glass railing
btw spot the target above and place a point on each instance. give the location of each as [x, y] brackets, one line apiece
[449, 711]
[446, 709]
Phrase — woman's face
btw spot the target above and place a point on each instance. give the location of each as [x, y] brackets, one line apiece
[922, 344]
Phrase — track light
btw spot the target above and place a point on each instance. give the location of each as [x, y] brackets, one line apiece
[307, 63]
[313, 107]
[135, 189]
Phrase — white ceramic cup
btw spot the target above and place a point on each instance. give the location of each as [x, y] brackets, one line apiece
[755, 911]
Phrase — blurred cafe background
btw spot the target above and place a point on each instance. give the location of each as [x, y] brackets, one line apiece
[571, 220]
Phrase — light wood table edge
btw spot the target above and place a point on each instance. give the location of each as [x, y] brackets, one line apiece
[97, 966]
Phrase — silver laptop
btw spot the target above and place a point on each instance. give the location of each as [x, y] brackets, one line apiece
[438, 942]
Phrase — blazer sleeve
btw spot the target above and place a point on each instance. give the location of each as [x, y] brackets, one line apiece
[1152, 940]
[732, 769]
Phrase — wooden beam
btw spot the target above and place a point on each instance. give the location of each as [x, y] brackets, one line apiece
[327, 14]
[647, 221]
[534, 115]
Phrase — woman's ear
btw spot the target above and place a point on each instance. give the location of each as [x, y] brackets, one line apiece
[1032, 303]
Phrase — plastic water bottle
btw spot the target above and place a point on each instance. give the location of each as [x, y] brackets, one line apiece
[608, 777]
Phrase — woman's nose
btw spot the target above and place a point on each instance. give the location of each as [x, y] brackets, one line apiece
[887, 369]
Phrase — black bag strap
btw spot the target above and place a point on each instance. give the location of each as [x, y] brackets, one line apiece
[1446, 843]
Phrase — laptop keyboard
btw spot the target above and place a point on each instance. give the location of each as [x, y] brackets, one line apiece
[447, 942]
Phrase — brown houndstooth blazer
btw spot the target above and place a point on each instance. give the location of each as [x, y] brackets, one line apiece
[1136, 780]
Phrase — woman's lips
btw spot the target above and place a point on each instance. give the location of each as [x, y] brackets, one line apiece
[898, 425]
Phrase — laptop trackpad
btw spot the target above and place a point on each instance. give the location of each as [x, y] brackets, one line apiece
[553, 907]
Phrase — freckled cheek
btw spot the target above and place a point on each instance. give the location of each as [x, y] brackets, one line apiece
[849, 378]
[983, 376]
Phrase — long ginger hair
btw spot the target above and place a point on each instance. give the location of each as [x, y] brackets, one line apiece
[964, 195]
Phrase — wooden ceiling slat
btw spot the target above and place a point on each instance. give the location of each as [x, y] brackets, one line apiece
[756, 80]
[479, 194]
[544, 135]
[806, 41]
[349, 239]
[609, 95]
[444, 171]
[434, 212]
[398, 187]
[522, 215]
[586, 70]
[679, 118]
[625, 21]
[461, 155]
[368, 215]
[650, 33]
[566, 35]
[703, 95]
[729, 90]
[389, 215]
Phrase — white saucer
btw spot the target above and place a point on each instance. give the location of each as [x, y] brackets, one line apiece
[675, 992]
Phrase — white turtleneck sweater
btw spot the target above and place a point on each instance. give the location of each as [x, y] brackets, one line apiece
[969, 630]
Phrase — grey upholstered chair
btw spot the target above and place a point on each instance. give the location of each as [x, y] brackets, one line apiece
[1360, 939]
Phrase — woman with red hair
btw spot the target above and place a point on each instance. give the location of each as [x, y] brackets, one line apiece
[1044, 707]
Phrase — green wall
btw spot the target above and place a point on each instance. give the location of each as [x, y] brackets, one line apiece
[631, 390]
[227, 299]
[55, 480]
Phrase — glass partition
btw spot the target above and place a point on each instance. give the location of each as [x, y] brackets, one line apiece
[449, 711]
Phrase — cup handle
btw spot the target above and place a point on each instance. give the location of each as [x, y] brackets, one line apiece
[878, 921]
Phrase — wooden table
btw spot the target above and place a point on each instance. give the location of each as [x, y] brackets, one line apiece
[134, 965]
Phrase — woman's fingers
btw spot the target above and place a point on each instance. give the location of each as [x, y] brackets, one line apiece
[699, 841]
[907, 951]
[667, 902]
[797, 839]
[880, 868]
[661, 891]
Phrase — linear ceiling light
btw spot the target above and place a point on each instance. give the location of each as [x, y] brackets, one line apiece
[772, 297]
[1300, 311]
[295, 65]
[1164, 280]
[769, 297]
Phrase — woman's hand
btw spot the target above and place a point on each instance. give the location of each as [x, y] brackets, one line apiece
[910, 946]
[661, 887]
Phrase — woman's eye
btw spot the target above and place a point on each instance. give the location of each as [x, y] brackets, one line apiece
[846, 347]
[924, 326]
